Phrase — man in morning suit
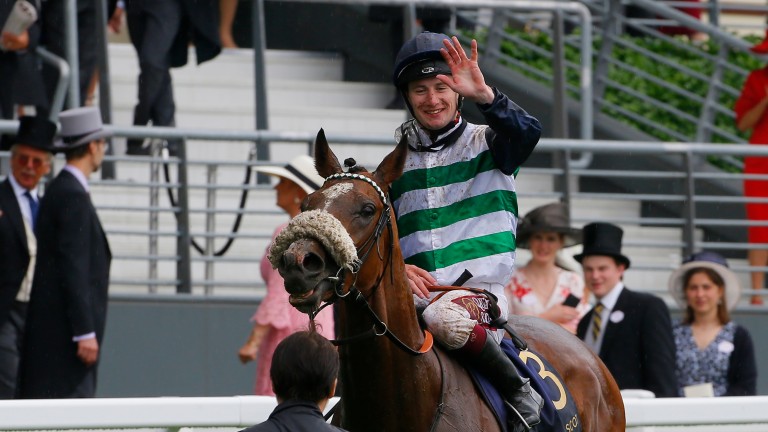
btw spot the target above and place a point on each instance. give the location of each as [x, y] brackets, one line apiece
[631, 331]
[161, 31]
[68, 307]
[19, 201]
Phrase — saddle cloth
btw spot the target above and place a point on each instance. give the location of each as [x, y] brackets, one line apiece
[552, 389]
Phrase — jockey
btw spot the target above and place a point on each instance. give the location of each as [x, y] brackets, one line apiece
[456, 205]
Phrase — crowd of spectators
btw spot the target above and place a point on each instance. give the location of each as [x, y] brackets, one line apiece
[620, 325]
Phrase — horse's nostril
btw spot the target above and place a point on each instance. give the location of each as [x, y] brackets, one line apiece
[312, 263]
[288, 260]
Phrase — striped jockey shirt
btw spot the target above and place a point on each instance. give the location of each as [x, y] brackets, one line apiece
[456, 211]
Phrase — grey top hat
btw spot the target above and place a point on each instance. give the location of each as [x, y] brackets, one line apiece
[551, 217]
[80, 126]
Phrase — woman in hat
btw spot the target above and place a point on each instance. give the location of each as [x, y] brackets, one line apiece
[750, 110]
[541, 287]
[712, 350]
[275, 318]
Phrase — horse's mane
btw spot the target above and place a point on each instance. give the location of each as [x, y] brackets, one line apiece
[357, 169]
[353, 167]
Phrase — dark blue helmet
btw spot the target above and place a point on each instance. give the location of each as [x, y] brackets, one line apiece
[420, 58]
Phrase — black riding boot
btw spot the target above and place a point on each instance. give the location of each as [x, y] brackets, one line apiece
[515, 389]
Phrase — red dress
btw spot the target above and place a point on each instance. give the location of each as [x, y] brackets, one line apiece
[755, 90]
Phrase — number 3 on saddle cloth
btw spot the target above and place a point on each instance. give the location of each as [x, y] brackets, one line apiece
[559, 412]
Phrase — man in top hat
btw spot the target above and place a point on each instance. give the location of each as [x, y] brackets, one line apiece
[630, 331]
[67, 310]
[19, 200]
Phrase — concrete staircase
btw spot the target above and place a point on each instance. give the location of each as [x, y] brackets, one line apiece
[653, 250]
[306, 91]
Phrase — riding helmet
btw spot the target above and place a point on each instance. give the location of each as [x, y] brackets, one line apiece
[420, 58]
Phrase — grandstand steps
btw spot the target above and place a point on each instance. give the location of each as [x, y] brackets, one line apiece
[305, 92]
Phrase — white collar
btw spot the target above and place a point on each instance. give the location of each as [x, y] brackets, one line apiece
[609, 300]
[79, 176]
[19, 190]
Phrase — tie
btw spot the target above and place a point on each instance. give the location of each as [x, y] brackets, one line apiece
[32, 207]
[597, 320]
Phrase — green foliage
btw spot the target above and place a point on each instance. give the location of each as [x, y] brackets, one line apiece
[676, 80]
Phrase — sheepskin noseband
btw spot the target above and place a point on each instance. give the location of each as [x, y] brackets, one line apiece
[323, 227]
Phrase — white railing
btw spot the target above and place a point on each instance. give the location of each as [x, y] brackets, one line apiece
[173, 413]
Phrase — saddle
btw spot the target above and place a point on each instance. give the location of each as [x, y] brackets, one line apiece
[559, 412]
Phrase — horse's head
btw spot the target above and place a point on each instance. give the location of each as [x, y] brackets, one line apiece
[344, 234]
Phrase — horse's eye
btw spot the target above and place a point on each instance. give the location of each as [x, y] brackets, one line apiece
[368, 210]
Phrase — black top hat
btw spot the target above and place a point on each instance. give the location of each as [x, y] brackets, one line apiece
[551, 217]
[601, 238]
[37, 132]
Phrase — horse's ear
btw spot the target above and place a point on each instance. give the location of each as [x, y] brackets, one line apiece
[391, 168]
[326, 162]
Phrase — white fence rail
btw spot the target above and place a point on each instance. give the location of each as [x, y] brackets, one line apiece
[173, 413]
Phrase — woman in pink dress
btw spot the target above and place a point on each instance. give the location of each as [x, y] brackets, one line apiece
[275, 318]
[542, 288]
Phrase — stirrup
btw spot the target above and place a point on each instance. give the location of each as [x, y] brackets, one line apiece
[522, 421]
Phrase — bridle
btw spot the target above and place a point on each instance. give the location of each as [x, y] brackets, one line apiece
[379, 327]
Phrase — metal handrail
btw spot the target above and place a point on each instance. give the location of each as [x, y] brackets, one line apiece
[252, 240]
[608, 18]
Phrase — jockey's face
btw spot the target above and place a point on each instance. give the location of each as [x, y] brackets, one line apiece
[434, 103]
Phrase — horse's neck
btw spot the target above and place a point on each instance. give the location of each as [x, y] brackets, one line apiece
[378, 376]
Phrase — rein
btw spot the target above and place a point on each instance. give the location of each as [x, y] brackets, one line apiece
[380, 328]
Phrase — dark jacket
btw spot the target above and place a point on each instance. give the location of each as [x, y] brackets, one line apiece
[513, 133]
[742, 368]
[199, 26]
[294, 416]
[21, 81]
[69, 292]
[14, 255]
[639, 349]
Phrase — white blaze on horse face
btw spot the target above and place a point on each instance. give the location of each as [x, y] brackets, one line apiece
[334, 192]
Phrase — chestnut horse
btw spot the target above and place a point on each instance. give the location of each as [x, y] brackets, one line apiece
[396, 382]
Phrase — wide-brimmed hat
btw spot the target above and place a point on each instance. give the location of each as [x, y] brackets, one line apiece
[551, 217]
[300, 170]
[80, 126]
[762, 46]
[710, 260]
[37, 132]
[602, 238]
